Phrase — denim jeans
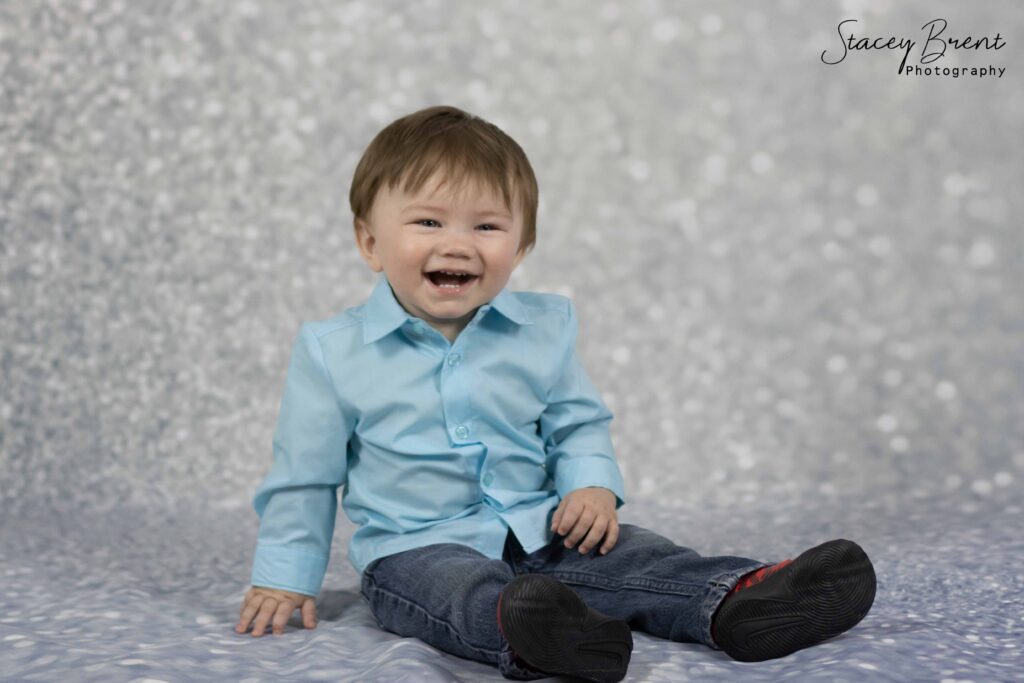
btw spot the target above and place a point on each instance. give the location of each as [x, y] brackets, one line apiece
[446, 594]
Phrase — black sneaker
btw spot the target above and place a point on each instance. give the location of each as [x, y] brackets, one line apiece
[826, 590]
[550, 628]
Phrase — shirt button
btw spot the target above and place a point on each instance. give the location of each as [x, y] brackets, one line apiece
[488, 478]
[454, 358]
[462, 431]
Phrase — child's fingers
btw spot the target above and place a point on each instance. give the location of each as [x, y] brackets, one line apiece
[249, 609]
[266, 612]
[309, 613]
[555, 518]
[611, 537]
[596, 534]
[281, 616]
[570, 513]
[586, 520]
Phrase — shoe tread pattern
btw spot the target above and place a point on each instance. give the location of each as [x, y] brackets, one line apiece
[825, 591]
[550, 627]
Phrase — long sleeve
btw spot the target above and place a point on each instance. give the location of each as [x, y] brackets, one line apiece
[297, 501]
[574, 427]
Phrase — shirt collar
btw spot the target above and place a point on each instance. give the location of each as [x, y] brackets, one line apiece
[382, 313]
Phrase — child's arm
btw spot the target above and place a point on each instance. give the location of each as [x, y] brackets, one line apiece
[574, 427]
[297, 501]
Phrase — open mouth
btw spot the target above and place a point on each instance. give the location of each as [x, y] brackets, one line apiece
[450, 284]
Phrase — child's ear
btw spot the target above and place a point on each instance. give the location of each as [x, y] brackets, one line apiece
[364, 238]
[366, 241]
[360, 226]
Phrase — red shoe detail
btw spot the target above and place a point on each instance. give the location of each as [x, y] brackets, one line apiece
[757, 576]
[748, 580]
[516, 657]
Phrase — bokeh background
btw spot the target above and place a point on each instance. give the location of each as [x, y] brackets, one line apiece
[799, 287]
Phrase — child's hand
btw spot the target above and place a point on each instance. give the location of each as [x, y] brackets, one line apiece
[276, 604]
[588, 509]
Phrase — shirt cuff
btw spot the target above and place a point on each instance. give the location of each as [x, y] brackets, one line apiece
[581, 471]
[286, 569]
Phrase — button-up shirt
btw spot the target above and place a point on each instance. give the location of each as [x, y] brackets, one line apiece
[433, 441]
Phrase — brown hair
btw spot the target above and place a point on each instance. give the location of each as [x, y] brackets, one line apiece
[467, 147]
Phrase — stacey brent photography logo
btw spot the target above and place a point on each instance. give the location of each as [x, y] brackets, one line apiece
[936, 45]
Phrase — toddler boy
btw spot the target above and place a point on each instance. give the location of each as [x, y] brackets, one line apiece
[475, 454]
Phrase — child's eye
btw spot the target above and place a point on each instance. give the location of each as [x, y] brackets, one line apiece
[483, 225]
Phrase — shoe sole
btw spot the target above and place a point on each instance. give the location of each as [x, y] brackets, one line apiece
[825, 591]
[550, 627]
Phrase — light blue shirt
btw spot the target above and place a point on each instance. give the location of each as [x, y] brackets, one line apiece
[433, 441]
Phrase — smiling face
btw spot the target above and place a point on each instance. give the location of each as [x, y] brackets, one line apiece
[441, 228]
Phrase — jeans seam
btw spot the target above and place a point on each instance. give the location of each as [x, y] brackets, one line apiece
[432, 618]
[630, 583]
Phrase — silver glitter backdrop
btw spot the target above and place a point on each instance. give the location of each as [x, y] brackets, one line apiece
[790, 276]
[797, 283]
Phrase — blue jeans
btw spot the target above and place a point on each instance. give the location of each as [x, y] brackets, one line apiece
[446, 594]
